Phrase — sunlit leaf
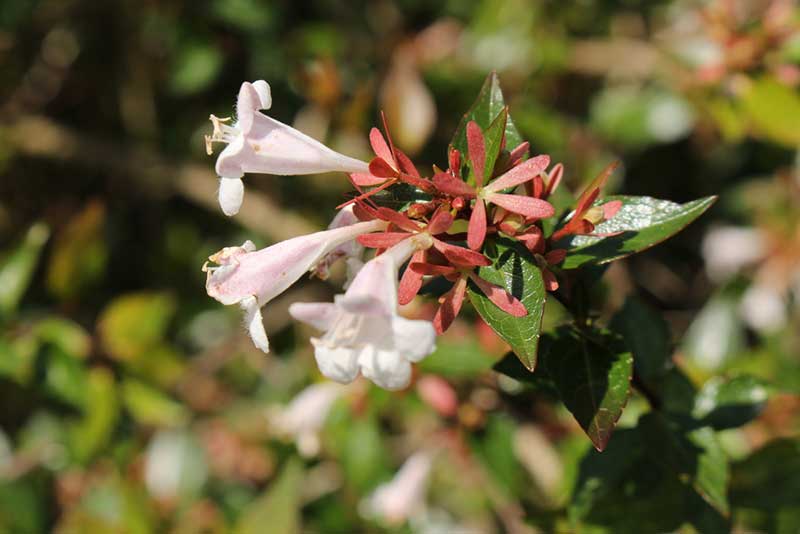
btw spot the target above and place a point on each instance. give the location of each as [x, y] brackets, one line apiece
[729, 403]
[514, 269]
[484, 110]
[641, 223]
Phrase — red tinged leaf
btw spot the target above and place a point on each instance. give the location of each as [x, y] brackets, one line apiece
[411, 281]
[516, 155]
[533, 239]
[451, 305]
[593, 190]
[406, 165]
[537, 187]
[398, 219]
[430, 269]
[381, 168]
[549, 279]
[500, 297]
[520, 174]
[379, 146]
[476, 145]
[363, 179]
[585, 202]
[555, 256]
[454, 162]
[450, 185]
[441, 221]
[611, 208]
[476, 231]
[531, 208]
[416, 181]
[553, 179]
[382, 240]
[460, 256]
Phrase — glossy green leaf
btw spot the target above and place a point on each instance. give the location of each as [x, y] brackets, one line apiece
[17, 268]
[641, 222]
[514, 269]
[494, 140]
[489, 104]
[729, 403]
[278, 509]
[692, 453]
[592, 373]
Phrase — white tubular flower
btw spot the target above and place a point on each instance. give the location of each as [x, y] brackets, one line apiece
[351, 252]
[252, 278]
[402, 497]
[363, 331]
[303, 417]
[260, 144]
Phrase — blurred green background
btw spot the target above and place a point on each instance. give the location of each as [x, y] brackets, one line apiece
[131, 402]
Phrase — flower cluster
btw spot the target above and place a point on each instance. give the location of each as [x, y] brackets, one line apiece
[442, 233]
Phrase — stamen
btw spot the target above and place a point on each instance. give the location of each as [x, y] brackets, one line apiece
[222, 133]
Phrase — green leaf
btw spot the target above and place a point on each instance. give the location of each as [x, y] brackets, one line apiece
[693, 454]
[278, 509]
[600, 472]
[134, 324]
[769, 478]
[484, 110]
[91, 433]
[730, 403]
[197, 65]
[642, 221]
[774, 110]
[17, 268]
[494, 139]
[647, 336]
[79, 254]
[514, 269]
[150, 406]
[363, 455]
[592, 373]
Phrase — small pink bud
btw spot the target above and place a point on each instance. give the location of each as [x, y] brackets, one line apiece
[438, 394]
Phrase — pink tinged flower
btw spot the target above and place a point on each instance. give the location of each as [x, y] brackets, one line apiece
[403, 497]
[260, 144]
[363, 331]
[351, 251]
[303, 418]
[252, 278]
